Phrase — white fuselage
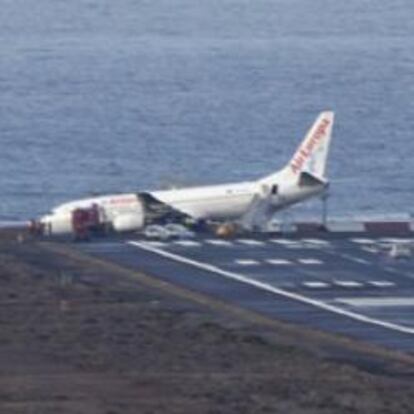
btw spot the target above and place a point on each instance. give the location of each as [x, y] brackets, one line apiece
[218, 202]
[125, 212]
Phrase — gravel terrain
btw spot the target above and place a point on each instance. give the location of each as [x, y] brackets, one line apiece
[81, 336]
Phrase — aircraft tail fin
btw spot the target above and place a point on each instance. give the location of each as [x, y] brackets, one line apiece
[311, 155]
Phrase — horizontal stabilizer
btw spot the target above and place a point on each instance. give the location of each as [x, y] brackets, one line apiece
[308, 180]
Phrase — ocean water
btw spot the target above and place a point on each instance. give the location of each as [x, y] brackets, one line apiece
[132, 95]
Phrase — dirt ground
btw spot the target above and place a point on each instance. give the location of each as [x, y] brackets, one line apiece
[82, 336]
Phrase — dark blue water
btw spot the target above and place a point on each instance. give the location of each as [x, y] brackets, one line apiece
[126, 95]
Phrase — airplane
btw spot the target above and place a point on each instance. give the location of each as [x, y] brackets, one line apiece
[251, 203]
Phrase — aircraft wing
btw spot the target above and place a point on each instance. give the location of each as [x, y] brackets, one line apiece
[157, 211]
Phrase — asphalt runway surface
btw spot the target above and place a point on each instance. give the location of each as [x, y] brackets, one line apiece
[343, 285]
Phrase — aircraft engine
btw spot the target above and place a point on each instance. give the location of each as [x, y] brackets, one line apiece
[128, 222]
[56, 224]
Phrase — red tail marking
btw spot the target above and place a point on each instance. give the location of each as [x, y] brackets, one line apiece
[305, 151]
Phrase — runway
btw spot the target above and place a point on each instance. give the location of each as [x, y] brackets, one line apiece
[343, 285]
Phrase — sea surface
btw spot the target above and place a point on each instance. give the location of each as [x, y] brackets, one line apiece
[109, 96]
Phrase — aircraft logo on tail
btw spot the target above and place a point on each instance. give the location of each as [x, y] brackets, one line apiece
[311, 146]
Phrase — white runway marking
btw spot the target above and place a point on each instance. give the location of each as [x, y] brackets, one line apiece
[310, 261]
[396, 240]
[247, 262]
[285, 242]
[377, 302]
[381, 283]
[362, 241]
[277, 291]
[348, 283]
[316, 285]
[318, 242]
[251, 242]
[278, 262]
[219, 242]
[156, 243]
[187, 243]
